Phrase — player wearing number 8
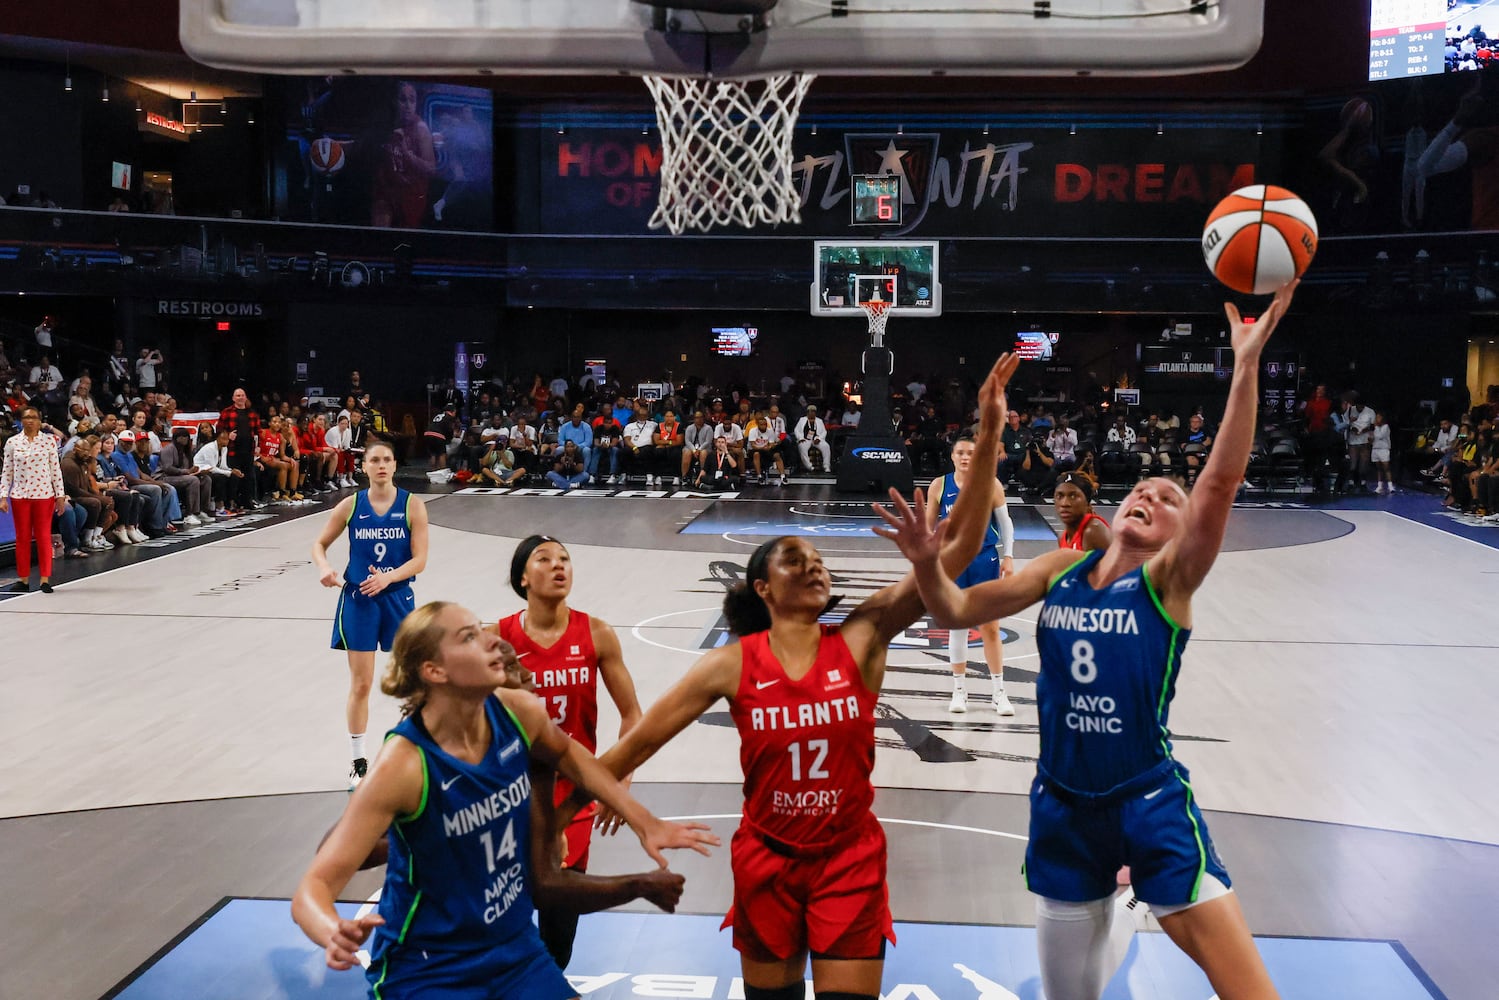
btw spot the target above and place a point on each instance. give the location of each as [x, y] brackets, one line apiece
[387, 529]
[809, 856]
[1108, 790]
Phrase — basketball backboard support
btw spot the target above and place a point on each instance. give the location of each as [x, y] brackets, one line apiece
[837, 37]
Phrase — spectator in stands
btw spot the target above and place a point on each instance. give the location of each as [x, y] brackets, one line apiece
[1197, 434]
[117, 458]
[697, 443]
[924, 440]
[547, 439]
[43, 335]
[607, 433]
[291, 451]
[83, 488]
[1011, 447]
[1037, 472]
[734, 435]
[1441, 448]
[1358, 423]
[356, 386]
[139, 418]
[763, 444]
[83, 395]
[243, 425]
[568, 470]
[320, 454]
[638, 450]
[579, 432]
[523, 441]
[148, 367]
[7, 370]
[46, 381]
[193, 485]
[495, 428]
[1462, 469]
[451, 397]
[668, 443]
[129, 504]
[340, 439]
[271, 459]
[812, 435]
[137, 455]
[1486, 479]
[31, 483]
[851, 415]
[120, 369]
[558, 387]
[440, 434]
[1061, 441]
[499, 465]
[214, 456]
[722, 470]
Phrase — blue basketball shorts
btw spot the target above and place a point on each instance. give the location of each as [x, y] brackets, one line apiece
[1076, 848]
[985, 567]
[364, 623]
[497, 974]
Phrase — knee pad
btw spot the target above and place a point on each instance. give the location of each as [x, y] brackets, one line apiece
[791, 991]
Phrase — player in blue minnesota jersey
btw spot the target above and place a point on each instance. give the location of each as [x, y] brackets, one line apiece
[451, 792]
[387, 529]
[996, 559]
[1108, 790]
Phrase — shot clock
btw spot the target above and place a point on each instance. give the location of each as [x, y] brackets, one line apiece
[876, 200]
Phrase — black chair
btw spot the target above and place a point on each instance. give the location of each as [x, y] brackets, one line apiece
[1144, 455]
[1285, 466]
[1115, 465]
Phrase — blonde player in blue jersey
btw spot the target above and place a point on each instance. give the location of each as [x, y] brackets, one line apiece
[451, 793]
[1108, 790]
[387, 529]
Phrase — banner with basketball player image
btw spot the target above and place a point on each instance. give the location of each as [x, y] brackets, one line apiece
[385, 152]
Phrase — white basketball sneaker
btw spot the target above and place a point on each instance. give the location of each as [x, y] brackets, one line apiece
[1002, 703]
[959, 703]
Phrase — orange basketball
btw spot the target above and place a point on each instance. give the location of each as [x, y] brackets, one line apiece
[326, 155]
[1259, 238]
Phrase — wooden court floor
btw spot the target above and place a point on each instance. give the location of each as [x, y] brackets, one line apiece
[174, 728]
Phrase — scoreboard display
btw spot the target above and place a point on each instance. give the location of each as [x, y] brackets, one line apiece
[1424, 38]
[876, 200]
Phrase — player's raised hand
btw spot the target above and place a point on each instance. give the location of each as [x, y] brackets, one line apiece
[907, 527]
[1248, 338]
[664, 835]
[343, 946]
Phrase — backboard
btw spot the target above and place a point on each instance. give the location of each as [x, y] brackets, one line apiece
[903, 273]
[847, 37]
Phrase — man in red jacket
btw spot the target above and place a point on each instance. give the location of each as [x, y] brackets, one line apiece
[243, 425]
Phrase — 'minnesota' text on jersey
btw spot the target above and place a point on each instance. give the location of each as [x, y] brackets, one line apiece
[379, 540]
[807, 745]
[1109, 662]
[459, 873]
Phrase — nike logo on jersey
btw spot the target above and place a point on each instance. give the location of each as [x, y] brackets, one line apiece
[1151, 795]
[762, 685]
[363, 517]
[449, 783]
[1065, 584]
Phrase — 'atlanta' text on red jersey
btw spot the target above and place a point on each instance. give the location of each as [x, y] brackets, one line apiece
[806, 746]
[566, 675]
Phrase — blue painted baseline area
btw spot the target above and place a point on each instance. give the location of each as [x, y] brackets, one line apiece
[820, 519]
[251, 948]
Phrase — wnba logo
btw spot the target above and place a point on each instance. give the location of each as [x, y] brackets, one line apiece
[326, 155]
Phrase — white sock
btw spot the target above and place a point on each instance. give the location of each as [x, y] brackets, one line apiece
[357, 743]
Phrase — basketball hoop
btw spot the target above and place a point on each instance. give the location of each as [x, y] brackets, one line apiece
[878, 311]
[726, 151]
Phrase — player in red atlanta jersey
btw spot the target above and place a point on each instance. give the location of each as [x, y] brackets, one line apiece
[809, 855]
[567, 652]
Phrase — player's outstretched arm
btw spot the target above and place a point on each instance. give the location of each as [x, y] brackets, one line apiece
[550, 745]
[1181, 566]
[572, 891]
[393, 788]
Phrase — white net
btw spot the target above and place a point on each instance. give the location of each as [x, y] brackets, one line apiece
[879, 314]
[726, 151]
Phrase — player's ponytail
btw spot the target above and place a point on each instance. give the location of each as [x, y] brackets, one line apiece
[745, 610]
[418, 640]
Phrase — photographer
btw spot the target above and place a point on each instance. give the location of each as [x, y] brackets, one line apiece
[1037, 472]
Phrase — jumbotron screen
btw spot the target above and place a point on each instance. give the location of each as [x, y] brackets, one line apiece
[1429, 37]
[903, 272]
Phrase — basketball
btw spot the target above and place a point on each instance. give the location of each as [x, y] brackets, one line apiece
[1259, 238]
[326, 155]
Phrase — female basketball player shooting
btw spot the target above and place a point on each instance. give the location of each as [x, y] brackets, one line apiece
[809, 856]
[452, 786]
[1108, 791]
[387, 530]
[996, 558]
[567, 652]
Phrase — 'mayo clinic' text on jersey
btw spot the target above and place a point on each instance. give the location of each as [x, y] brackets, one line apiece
[1109, 662]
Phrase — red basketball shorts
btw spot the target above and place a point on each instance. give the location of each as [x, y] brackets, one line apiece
[579, 837]
[835, 903]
